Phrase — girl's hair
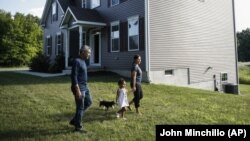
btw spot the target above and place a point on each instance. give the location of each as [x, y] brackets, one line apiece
[121, 81]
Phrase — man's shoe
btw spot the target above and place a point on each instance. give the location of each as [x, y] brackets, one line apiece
[72, 122]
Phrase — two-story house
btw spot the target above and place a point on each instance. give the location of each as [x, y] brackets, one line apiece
[182, 42]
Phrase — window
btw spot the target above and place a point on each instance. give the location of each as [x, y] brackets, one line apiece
[84, 5]
[48, 45]
[95, 3]
[59, 44]
[114, 2]
[115, 36]
[224, 77]
[133, 33]
[169, 72]
[54, 11]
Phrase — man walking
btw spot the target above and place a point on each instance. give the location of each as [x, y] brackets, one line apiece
[79, 87]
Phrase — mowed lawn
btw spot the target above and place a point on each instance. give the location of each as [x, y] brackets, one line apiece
[35, 108]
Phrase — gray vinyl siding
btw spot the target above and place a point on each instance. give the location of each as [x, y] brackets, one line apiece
[193, 34]
[119, 60]
[52, 28]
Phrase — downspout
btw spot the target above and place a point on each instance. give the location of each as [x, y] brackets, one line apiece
[147, 41]
[236, 51]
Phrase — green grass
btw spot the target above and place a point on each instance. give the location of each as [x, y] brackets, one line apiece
[34, 108]
[244, 74]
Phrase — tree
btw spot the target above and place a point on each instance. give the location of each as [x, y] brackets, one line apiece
[22, 41]
[243, 41]
[5, 26]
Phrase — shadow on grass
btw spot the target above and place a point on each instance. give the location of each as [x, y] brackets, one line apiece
[94, 114]
[32, 133]
[12, 78]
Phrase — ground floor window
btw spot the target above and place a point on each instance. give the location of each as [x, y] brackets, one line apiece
[48, 45]
[59, 44]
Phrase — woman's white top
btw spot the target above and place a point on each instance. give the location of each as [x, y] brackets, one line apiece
[122, 99]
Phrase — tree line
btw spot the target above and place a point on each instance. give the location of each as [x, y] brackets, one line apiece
[20, 38]
[243, 42]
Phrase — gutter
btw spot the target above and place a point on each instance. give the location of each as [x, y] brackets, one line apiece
[236, 51]
[147, 41]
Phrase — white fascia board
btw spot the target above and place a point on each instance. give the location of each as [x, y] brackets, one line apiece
[45, 10]
[60, 6]
[68, 13]
[90, 23]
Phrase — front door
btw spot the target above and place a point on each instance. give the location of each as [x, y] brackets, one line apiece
[95, 59]
[73, 46]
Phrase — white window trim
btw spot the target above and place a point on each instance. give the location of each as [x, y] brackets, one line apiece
[91, 4]
[114, 4]
[85, 37]
[221, 76]
[172, 74]
[84, 4]
[129, 19]
[57, 34]
[47, 47]
[54, 8]
[114, 24]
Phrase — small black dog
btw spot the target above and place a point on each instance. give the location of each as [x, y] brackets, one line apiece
[107, 104]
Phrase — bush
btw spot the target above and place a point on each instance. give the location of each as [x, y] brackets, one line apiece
[40, 63]
[58, 66]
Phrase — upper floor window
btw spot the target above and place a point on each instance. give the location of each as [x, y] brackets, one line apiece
[84, 4]
[115, 36]
[114, 2]
[54, 11]
[48, 45]
[94, 3]
[133, 33]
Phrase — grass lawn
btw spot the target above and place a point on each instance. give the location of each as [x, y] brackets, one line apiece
[34, 108]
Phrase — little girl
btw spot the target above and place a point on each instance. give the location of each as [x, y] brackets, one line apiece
[121, 98]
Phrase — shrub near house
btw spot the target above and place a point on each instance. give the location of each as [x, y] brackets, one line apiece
[42, 63]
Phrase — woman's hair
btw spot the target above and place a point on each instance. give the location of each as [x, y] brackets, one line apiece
[121, 81]
[136, 57]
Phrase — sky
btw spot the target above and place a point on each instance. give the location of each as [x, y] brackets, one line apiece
[35, 7]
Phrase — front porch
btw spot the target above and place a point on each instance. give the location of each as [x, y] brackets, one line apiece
[82, 27]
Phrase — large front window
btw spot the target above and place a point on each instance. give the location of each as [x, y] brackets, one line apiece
[95, 3]
[115, 35]
[133, 33]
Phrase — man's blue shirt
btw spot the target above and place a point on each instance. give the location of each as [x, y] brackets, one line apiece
[79, 74]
